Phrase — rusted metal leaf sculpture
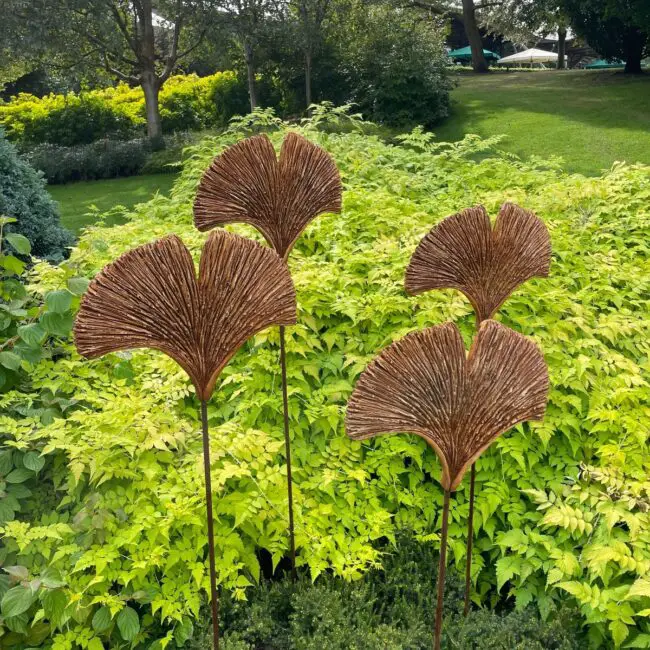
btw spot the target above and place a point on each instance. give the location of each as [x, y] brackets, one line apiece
[150, 297]
[464, 252]
[248, 184]
[426, 385]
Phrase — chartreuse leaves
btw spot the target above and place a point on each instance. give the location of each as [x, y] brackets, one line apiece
[562, 506]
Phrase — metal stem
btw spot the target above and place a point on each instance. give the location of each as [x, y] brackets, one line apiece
[470, 541]
[214, 594]
[442, 567]
[287, 445]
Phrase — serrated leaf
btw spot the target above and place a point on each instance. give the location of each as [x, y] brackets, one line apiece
[58, 302]
[128, 623]
[18, 572]
[78, 286]
[54, 603]
[33, 334]
[33, 461]
[19, 475]
[57, 324]
[10, 360]
[16, 601]
[102, 619]
[19, 242]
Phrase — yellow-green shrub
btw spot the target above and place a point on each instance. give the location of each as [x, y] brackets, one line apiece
[125, 531]
[186, 103]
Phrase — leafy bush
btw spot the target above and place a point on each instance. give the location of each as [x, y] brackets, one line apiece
[398, 75]
[390, 609]
[23, 197]
[108, 158]
[101, 159]
[186, 102]
[127, 535]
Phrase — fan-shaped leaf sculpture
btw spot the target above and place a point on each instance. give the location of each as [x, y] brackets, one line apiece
[424, 384]
[151, 298]
[248, 184]
[464, 252]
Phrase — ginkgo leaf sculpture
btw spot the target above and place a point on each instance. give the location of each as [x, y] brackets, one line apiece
[150, 297]
[487, 264]
[426, 385]
[247, 183]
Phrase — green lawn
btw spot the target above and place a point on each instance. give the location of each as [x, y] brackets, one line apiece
[589, 118]
[76, 199]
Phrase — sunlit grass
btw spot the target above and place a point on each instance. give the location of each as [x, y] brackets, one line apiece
[76, 199]
[589, 118]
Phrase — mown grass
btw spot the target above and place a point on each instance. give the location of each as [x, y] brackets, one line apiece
[589, 118]
[76, 200]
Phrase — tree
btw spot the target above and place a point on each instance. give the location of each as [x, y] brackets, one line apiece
[136, 41]
[468, 12]
[617, 29]
[479, 64]
[310, 17]
[248, 22]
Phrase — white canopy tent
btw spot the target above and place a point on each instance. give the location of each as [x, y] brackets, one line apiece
[530, 56]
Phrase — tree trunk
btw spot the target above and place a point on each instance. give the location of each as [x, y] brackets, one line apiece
[250, 69]
[634, 44]
[308, 58]
[151, 87]
[561, 48]
[479, 64]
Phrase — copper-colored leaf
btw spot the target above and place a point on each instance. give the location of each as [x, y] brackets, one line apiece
[424, 384]
[151, 298]
[247, 183]
[464, 252]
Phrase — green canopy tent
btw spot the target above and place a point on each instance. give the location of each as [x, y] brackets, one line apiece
[465, 54]
[601, 64]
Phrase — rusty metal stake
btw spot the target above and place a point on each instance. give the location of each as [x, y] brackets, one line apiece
[442, 568]
[214, 594]
[287, 445]
[470, 541]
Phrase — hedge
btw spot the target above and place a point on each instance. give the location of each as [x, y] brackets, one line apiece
[186, 103]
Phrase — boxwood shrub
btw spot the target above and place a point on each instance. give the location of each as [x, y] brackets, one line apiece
[23, 196]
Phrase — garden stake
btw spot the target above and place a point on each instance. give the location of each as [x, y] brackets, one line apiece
[150, 297]
[470, 540]
[287, 445]
[247, 183]
[426, 384]
[464, 252]
[214, 594]
[442, 570]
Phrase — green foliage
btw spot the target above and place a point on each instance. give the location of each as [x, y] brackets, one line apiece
[125, 525]
[24, 198]
[389, 609]
[186, 102]
[398, 69]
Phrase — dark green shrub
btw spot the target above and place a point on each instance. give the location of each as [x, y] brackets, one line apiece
[23, 196]
[101, 159]
[107, 159]
[390, 609]
[398, 71]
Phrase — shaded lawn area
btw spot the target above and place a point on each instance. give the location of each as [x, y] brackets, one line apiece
[589, 118]
[76, 199]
